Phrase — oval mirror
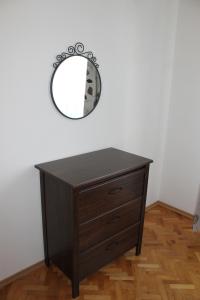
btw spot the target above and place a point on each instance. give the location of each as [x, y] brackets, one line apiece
[76, 83]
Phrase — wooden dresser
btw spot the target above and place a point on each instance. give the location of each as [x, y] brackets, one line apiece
[93, 209]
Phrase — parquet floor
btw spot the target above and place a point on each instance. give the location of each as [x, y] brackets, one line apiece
[168, 268]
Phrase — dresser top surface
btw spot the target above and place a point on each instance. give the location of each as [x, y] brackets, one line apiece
[94, 166]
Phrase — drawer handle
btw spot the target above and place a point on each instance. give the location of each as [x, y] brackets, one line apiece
[112, 245]
[113, 219]
[115, 191]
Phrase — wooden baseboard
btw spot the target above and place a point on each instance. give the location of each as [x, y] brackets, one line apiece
[20, 274]
[170, 207]
[151, 206]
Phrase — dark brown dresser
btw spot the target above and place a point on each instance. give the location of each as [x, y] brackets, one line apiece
[93, 209]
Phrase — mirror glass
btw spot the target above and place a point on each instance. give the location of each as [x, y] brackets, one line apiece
[76, 87]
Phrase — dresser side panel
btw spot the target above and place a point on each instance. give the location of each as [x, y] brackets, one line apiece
[139, 244]
[59, 223]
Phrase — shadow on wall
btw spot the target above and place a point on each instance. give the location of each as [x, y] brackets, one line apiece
[22, 192]
[196, 221]
[20, 219]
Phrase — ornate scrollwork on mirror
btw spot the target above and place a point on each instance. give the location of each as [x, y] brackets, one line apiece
[75, 83]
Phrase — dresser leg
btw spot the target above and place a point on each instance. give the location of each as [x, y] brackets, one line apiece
[47, 261]
[75, 288]
[138, 249]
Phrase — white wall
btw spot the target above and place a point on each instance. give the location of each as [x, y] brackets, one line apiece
[181, 169]
[154, 24]
[132, 41]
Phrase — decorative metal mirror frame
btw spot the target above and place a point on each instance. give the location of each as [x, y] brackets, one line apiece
[76, 50]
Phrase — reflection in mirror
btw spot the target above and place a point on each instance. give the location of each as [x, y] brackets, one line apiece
[76, 86]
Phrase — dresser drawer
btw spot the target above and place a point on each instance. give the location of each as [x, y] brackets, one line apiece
[96, 257]
[97, 230]
[104, 197]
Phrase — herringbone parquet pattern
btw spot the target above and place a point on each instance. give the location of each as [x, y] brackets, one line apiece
[169, 268]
